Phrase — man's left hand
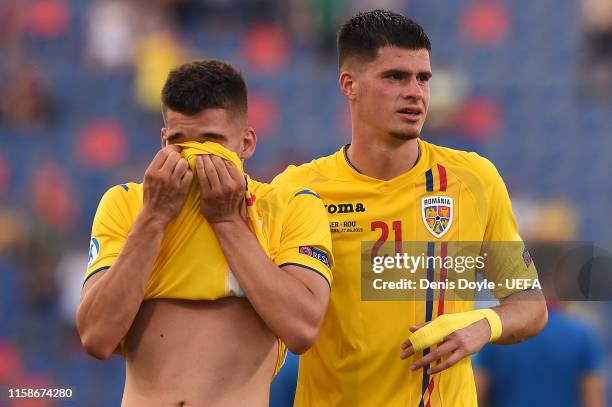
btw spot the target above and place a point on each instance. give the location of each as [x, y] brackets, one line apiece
[222, 189]
[455, 347]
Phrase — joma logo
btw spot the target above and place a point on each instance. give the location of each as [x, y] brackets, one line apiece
[345, 208]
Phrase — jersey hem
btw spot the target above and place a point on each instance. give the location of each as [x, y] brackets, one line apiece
[95, 271]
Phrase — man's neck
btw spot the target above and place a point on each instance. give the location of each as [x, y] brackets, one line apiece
[382, 160]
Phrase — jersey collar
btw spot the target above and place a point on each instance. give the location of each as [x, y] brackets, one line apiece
[349, 170]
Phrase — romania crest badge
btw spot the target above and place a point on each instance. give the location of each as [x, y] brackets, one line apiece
[437, 214]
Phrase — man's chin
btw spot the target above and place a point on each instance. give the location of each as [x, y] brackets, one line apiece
[405, 135]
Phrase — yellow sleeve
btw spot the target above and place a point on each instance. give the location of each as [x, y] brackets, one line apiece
[305, 237]
[508, 258]
[110, 228]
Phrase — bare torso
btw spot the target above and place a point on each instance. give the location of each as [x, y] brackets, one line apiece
[199, 353]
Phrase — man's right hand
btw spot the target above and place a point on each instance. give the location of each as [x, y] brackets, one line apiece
[166, 184]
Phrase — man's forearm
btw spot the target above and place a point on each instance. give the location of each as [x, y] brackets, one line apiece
[523, 315]
[593, 390]
[109, 307]
[284, 302]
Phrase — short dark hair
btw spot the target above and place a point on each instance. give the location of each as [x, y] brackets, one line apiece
[366, 32]
[204, 84]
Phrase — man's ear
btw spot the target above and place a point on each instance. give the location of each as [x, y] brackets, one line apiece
[249, 142]
[164, 143]
[348, 84]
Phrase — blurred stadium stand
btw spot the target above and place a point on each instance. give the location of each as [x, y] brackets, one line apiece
[527, 84]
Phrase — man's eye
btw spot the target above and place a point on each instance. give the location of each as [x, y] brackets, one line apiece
[423, 78]
[396, 76]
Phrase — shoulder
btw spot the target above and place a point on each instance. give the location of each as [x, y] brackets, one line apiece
[569, 323]
[279, 193]
[474, 170]
[463, 160]
[122, 197]
[127, 191]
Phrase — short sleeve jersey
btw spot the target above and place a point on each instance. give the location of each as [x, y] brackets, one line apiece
[448, 196]
[294, 225]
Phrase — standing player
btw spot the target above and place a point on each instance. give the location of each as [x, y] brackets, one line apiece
[375, 185]
[158, 288]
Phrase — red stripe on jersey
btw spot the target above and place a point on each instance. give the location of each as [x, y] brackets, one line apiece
[442, 173]
[430, 390]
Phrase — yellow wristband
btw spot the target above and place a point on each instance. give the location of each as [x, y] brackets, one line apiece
[494, 322]
[446, 324]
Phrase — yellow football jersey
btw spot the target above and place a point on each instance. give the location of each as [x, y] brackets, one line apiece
[447, 196]
[294, 226]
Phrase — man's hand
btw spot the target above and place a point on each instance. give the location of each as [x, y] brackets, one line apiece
[455, 346]
[222, 188]
[166, 184]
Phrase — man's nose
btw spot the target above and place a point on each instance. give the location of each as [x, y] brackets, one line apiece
[412, 89]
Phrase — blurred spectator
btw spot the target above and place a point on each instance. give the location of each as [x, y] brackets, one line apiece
[12, 230]
[329, 14]
[554, 220]
[102, 144]
[263, 113]
[479, 118]
[266, 48]
[398, 6]
[597, 18]
[53, 197]
[238, 12]
[485, 22]
[10, 363]
[448, 92]
[5, 174]
[69, 280]
[282, 391]
[563, 366]
[11, 28]
[38, 258]
[300, 21]
[47, 18]
[25, 99]
[156, 54]
[111, 29]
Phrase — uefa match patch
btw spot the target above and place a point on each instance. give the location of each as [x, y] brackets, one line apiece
[94, 249]
[527, 257]
[315, 253]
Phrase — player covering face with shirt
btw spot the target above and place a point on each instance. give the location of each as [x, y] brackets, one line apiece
[389, 186]
[199, 277]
